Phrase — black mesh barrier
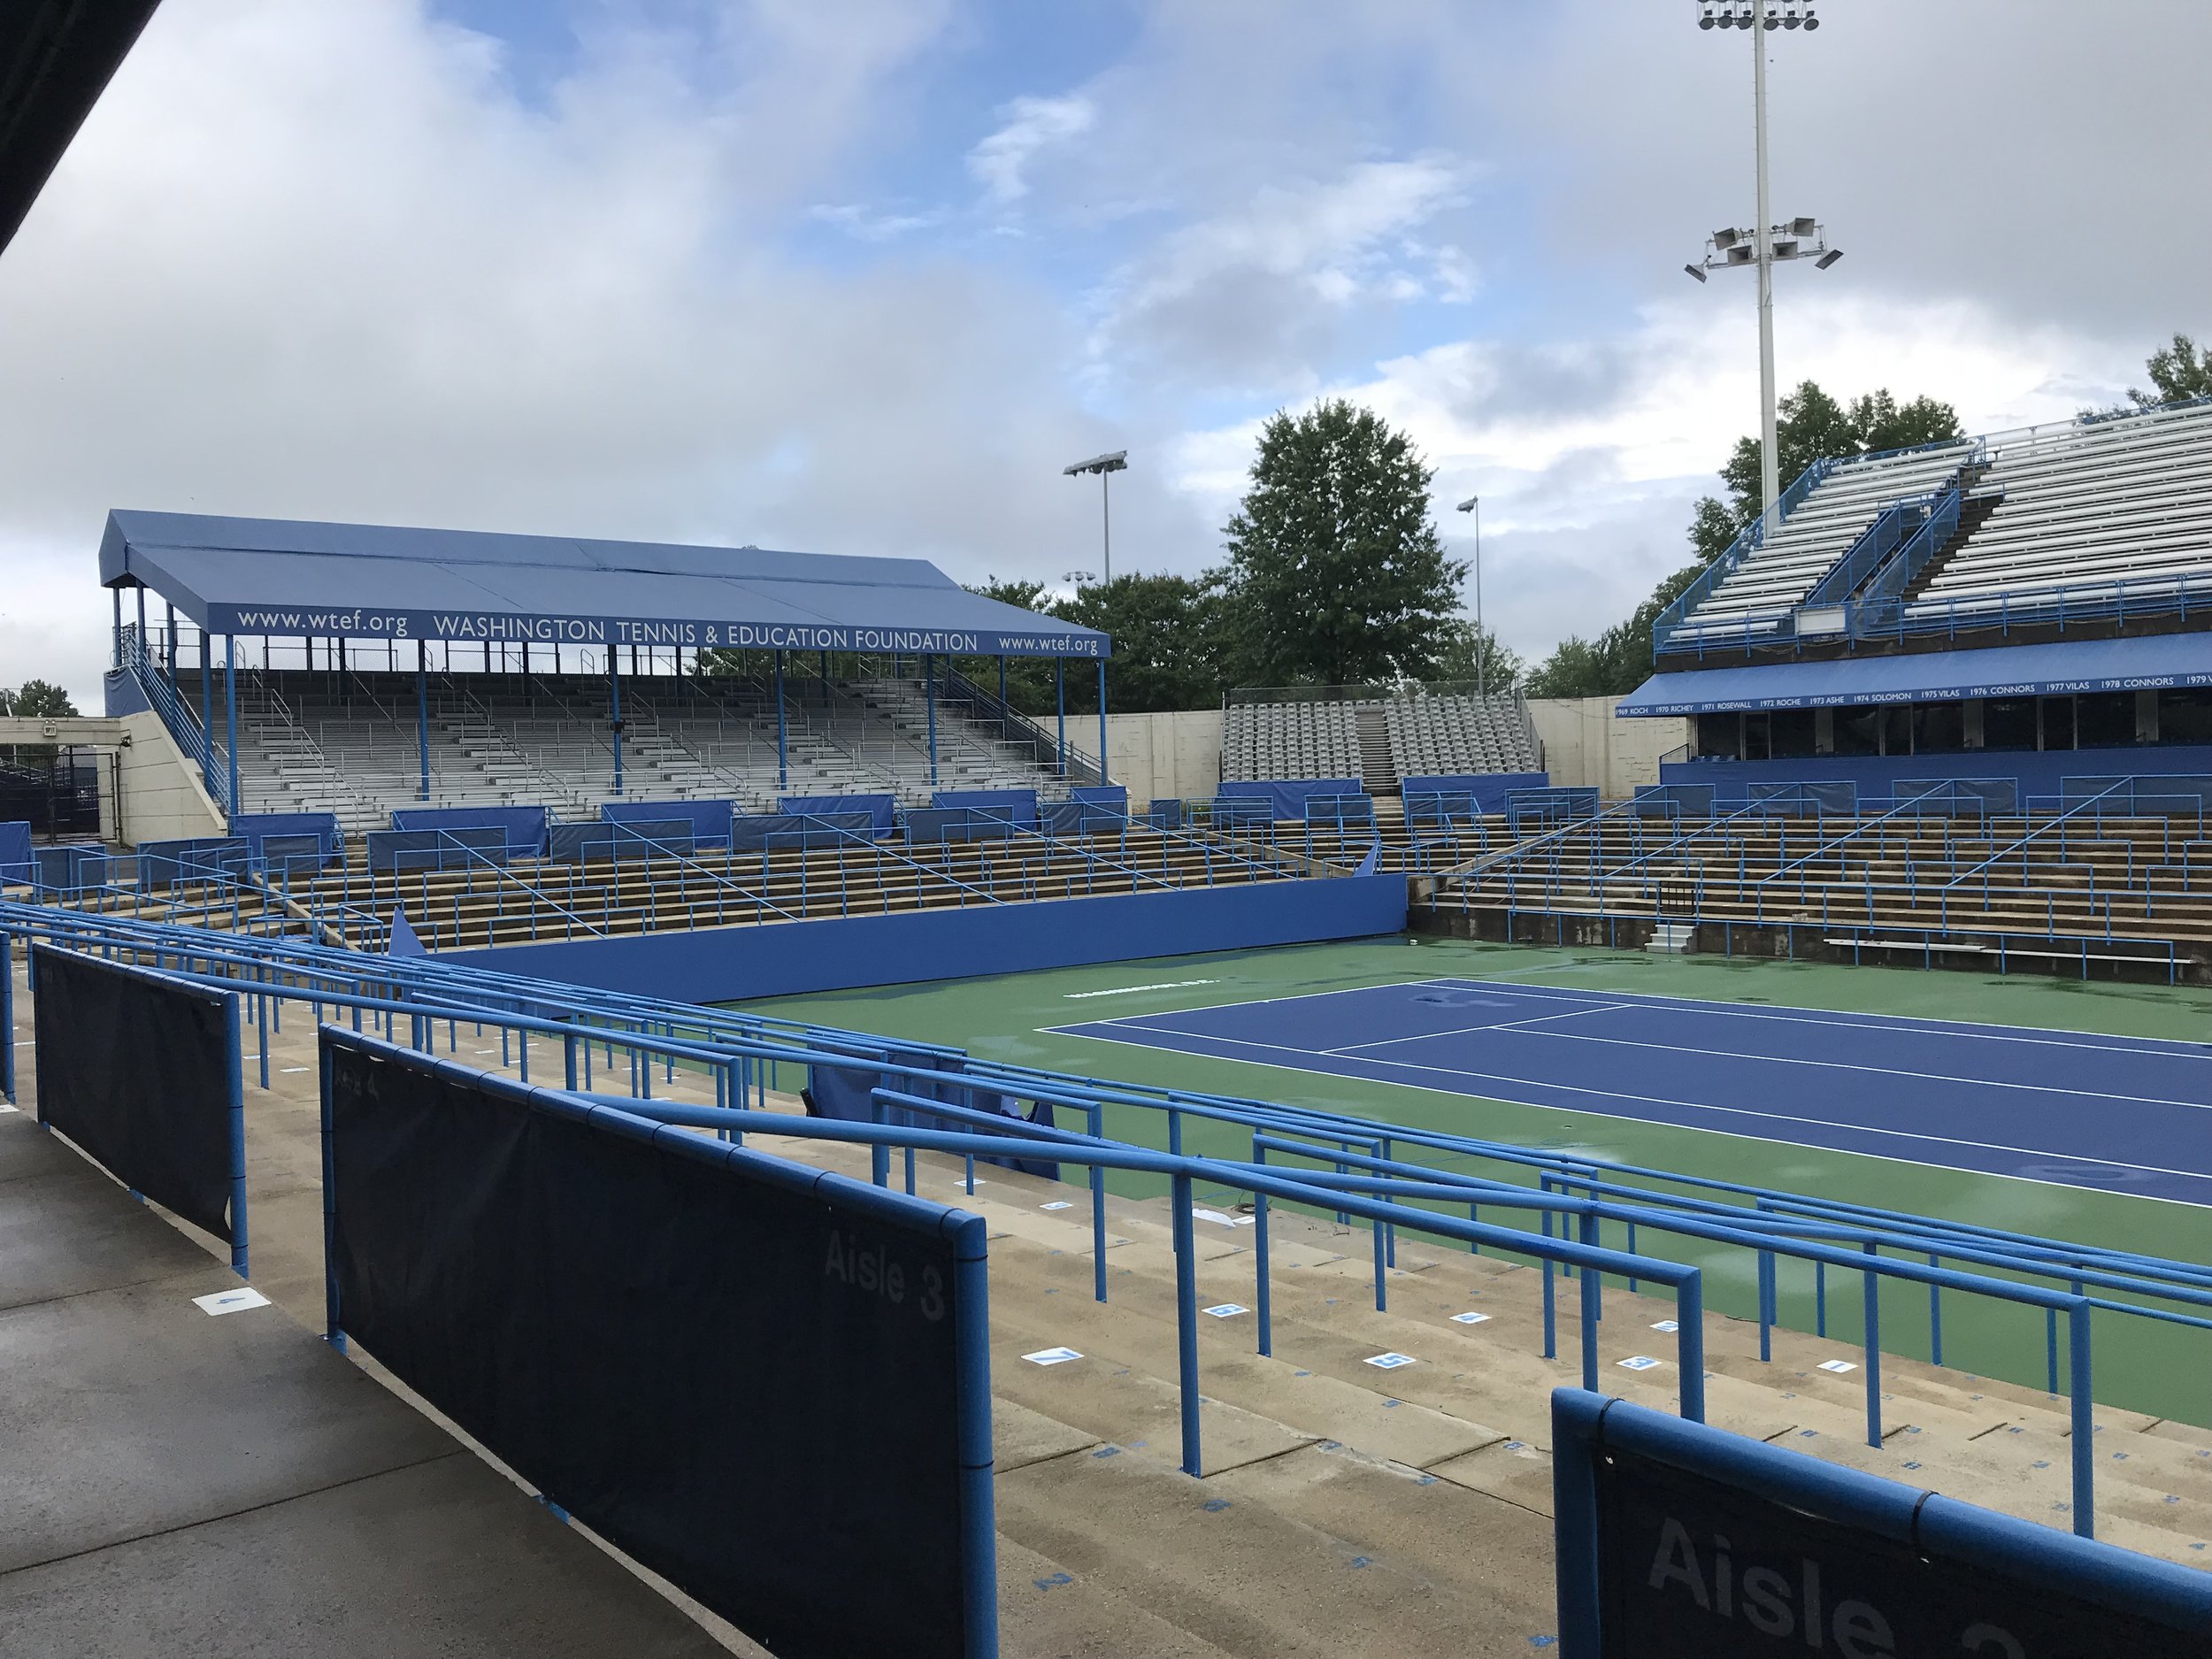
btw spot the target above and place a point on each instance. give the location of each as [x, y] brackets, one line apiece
[143, 1073]
[741, 1372]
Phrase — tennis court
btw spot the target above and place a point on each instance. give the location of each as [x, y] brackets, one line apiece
[2128, 1115]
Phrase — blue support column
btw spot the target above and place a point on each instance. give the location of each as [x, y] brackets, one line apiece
[144, 654]
[207, 712]
[783, 757]
[422, 714]
[929, 698]
[169, 607]
[230, 715]
[116, 595]
[826, 683]
[1102, 721]
[614, 711]
[1002, 708]
[1060, 694]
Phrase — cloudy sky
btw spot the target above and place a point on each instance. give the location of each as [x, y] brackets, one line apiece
[862, 277]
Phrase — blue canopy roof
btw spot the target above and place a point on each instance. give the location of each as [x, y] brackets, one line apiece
[273, 576]
[2138, 662]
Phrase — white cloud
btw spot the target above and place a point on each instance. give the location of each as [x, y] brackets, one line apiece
[1000, 162]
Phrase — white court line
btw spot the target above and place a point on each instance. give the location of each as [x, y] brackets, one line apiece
[1789, 1059]
[1461, 1031]
[1131, 990]
[2048, 1037]
[1289, 1064]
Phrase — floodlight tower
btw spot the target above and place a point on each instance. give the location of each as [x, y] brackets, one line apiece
[1473, 504]
[1105, 466]
[1799, 239]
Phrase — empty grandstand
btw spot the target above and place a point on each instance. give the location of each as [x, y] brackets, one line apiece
[2102, 523]
[1378, 735]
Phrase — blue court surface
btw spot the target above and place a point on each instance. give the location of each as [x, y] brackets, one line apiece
[2125, 1114]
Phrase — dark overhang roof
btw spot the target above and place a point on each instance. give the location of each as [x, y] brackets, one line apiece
[56, 59]
[2136, 663]
[267, 576]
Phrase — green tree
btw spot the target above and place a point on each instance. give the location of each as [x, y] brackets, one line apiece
[1336, 572]
[35, 699]
[2177, 372]
[1029, 679]
[1166, 631]
[1473, 655]
[1809, 424]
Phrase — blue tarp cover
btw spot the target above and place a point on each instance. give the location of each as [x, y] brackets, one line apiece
[1017, 807]
[2138, 662]
[1488, 788]
[775, 831]
[15, 851]
[279, 577]
[1287, 797]
[632, 838]
[882, 810]
[257, 827]
[524, 826]
[709, 820]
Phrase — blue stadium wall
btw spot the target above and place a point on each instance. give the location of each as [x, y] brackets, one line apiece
[731, 964]
[2040, 774]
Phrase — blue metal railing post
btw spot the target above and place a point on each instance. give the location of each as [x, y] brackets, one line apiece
[207, 714]
[422, 716]
[1873, 1357]
[230, 713]
[614, 709]
[334, 1331]
[783, 757]
[2084, 1427]
[1263, 1292]
[237, 1064]
[1186, 1324]
[929, 703]
[1095, 1123]
[972, 1346]
[7, 1015]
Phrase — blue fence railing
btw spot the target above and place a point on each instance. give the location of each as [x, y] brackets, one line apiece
[1556, 1208]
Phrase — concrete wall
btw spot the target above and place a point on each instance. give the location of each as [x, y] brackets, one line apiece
[1586, 747]
[160, 795]
[1171, 756]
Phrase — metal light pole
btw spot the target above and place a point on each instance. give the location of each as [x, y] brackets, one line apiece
[1473, 504]
[1768, 241]
[1104, 465]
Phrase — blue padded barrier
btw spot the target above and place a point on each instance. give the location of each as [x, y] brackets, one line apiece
[1235, 811]
[257, 827]
[728, 965]
[178, 862]
[524, 827]
[1340, 810]
[15, 853]
[1285, 797]
[966, 823]
[2149, 796]
[639, 838]
[1080, 818]
[290, 856]
[437, 849]
[1794, 798]
[1017, 807]
[1546, 807]
[1488, 788]
[708, 822]
[1959, 797]
[1107, 795]
[1167, 815]
[772, 832]
[882, 810]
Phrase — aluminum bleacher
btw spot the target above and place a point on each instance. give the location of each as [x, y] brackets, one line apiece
[1760, 590]
[1420, 732]
[348, 744]
[2094, 512]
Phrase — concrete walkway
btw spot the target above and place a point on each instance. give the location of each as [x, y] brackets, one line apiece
[174, 1481]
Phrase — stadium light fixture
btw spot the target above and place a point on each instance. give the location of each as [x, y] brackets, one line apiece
[1080, 577]
[1105, 466]
[1473, 504]
[1765, 243]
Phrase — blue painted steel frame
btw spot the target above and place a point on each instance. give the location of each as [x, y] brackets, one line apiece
[7, 1015]
[969, 1234]
[1584, 1425]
